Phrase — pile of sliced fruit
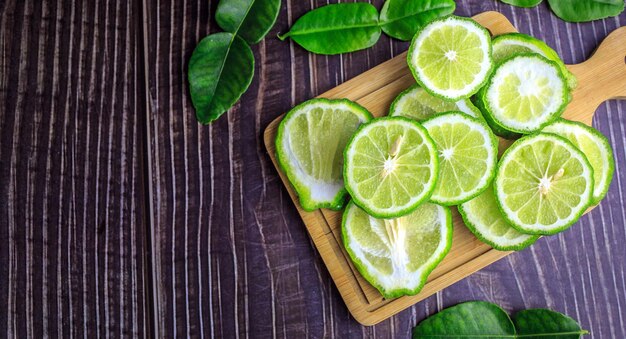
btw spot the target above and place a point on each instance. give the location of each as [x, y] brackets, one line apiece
[438, 148]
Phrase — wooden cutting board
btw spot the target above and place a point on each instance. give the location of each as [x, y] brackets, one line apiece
[600, 78]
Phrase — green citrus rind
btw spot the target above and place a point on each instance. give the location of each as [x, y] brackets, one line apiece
[577, 211]
[429, 185]
[516, 62]
[602, 179]
[403, 99]
[302, 187]
[491, 147]
[372, 277]
[475, 225]
[479, 80]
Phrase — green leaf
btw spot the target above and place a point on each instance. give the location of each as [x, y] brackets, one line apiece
[473, 319]
[522, 3]
[249, 19]
[220, 70]
[546, 324]
[586, 10]
[402, 18]
[336, 28]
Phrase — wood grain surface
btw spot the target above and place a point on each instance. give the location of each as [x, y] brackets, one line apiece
[72, 231]
[114, 222]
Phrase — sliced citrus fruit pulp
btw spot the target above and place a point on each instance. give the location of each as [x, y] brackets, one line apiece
[397, 255]
[309, 148]
[451, 57]
[596, 148]
[524, 93]
[483, 217]
[467, 151]
[543, 184]
[390, 166]
[417, 104]
[510, 44]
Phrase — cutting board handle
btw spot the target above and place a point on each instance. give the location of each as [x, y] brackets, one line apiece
[600, 78]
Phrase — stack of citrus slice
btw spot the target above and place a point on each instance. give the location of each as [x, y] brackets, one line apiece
[437, 149]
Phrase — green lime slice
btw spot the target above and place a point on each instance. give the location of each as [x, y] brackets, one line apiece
[596, 148]
[309, 148]
[468, 153]
[482, 217]
[543, 184]
[397, 255]
[510, 44]
[524, 93]
[390, 166]
[451, 57]
[417, 104]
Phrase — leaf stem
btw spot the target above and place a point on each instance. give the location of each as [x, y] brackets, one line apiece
[327, 29]
[244, 17]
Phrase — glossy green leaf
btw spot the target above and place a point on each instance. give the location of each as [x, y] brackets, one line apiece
[220, 70]
[249, 19]
[402, 18]
[479, 319]
[336, 28]
[586, 10]
[546, 324]
[473, 319]
[522, 3]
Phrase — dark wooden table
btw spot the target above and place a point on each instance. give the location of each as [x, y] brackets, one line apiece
[120, 215]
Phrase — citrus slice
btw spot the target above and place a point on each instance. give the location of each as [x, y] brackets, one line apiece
[482, 217]
[309, 148]
[510, 44]
[468, 153]
[451, 57]
[417, 104]
[397, 255]
[524, 93]
[596, 148]
[390, 166]
[543, 184]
